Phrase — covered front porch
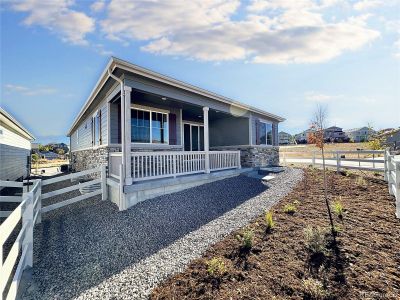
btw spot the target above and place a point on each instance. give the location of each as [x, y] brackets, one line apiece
[161, 137]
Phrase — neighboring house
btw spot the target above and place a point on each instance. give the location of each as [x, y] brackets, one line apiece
[335, 134]
[302, 138]
[154, 126]
[285, 138]
[15, 148]
[48, 155]
[390, 138]
[359, 135]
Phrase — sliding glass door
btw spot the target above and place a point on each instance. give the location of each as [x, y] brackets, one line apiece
[193, 136]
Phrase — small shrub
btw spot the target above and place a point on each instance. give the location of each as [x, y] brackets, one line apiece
[315, 238]
[338, 207]
[314, 289]
[337, 229]
[290, 209]
[246, 238]
[361, 181]
[216, 267]
[269, 222]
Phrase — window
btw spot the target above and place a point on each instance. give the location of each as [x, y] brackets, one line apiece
[96, 128]
[149, 127]
[264, 133]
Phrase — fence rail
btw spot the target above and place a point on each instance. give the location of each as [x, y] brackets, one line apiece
[29, 212]
[338, 159]
[26, 213]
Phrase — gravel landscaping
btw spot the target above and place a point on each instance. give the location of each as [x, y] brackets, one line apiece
[90, 250]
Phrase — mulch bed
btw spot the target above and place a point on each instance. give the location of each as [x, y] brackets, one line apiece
[364, 263]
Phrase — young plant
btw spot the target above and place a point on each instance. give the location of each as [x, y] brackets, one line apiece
[315, 239]
[269, 221]
[289, 209]
[216, 267]
[338, 207]
[316, 136]
[314, 289]
[246, 238]
[361, 181]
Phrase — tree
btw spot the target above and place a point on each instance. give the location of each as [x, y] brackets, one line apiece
[316, 136]
[60, 151]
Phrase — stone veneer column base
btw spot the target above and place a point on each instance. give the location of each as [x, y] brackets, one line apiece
[255, 156]
[91, 158]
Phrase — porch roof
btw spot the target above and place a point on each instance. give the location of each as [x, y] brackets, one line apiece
[116, 63]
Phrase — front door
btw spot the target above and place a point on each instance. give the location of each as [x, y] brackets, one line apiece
[193, 136]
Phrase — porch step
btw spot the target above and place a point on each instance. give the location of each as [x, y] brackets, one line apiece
[90, 188]
[268, 170]
[267, 178]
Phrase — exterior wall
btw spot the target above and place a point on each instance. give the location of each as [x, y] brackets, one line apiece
[254, 119]
[229, 131]
[14, 150]
[83, 139]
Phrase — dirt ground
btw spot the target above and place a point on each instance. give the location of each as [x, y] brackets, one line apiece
[363, 263]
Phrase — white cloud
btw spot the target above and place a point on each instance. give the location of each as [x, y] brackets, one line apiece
[367, 4]
[56, 15]
[209, 30]
[320, 97]
[28, 91]
[98, 6]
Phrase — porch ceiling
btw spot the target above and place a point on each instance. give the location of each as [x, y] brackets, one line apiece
[189, 111]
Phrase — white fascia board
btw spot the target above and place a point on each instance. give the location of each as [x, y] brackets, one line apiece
[127, 66]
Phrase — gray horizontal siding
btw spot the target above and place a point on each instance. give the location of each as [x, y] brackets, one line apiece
[254, 120]
[84, 140]
[13, 162]
[229, 132]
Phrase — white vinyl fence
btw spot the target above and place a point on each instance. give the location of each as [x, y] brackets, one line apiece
[392, 176]
[339, 159]
[28, 213]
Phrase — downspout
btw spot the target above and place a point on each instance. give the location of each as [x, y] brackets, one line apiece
[124, 154]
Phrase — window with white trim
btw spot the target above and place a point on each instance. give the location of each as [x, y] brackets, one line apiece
[149, 126]
[265, 133]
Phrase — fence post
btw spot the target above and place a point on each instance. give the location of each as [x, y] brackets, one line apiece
[373, 160]
[104, 192]
[390, 178]
[39, 205]
[397, 189]
[337, 161]
[238, 160]
[385, 165]
[27, 218]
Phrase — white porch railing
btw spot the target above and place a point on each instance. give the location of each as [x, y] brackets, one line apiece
[162, 164]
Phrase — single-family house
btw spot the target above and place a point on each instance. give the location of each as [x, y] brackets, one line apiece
[359, 135]
[15, 148]
[335, 134]
[153, 131]
[302, 137]
[285, 138]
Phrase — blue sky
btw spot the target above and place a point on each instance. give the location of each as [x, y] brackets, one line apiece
[282, 56]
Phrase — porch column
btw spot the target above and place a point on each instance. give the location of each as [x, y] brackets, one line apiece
[206, 139]
[126, 133]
